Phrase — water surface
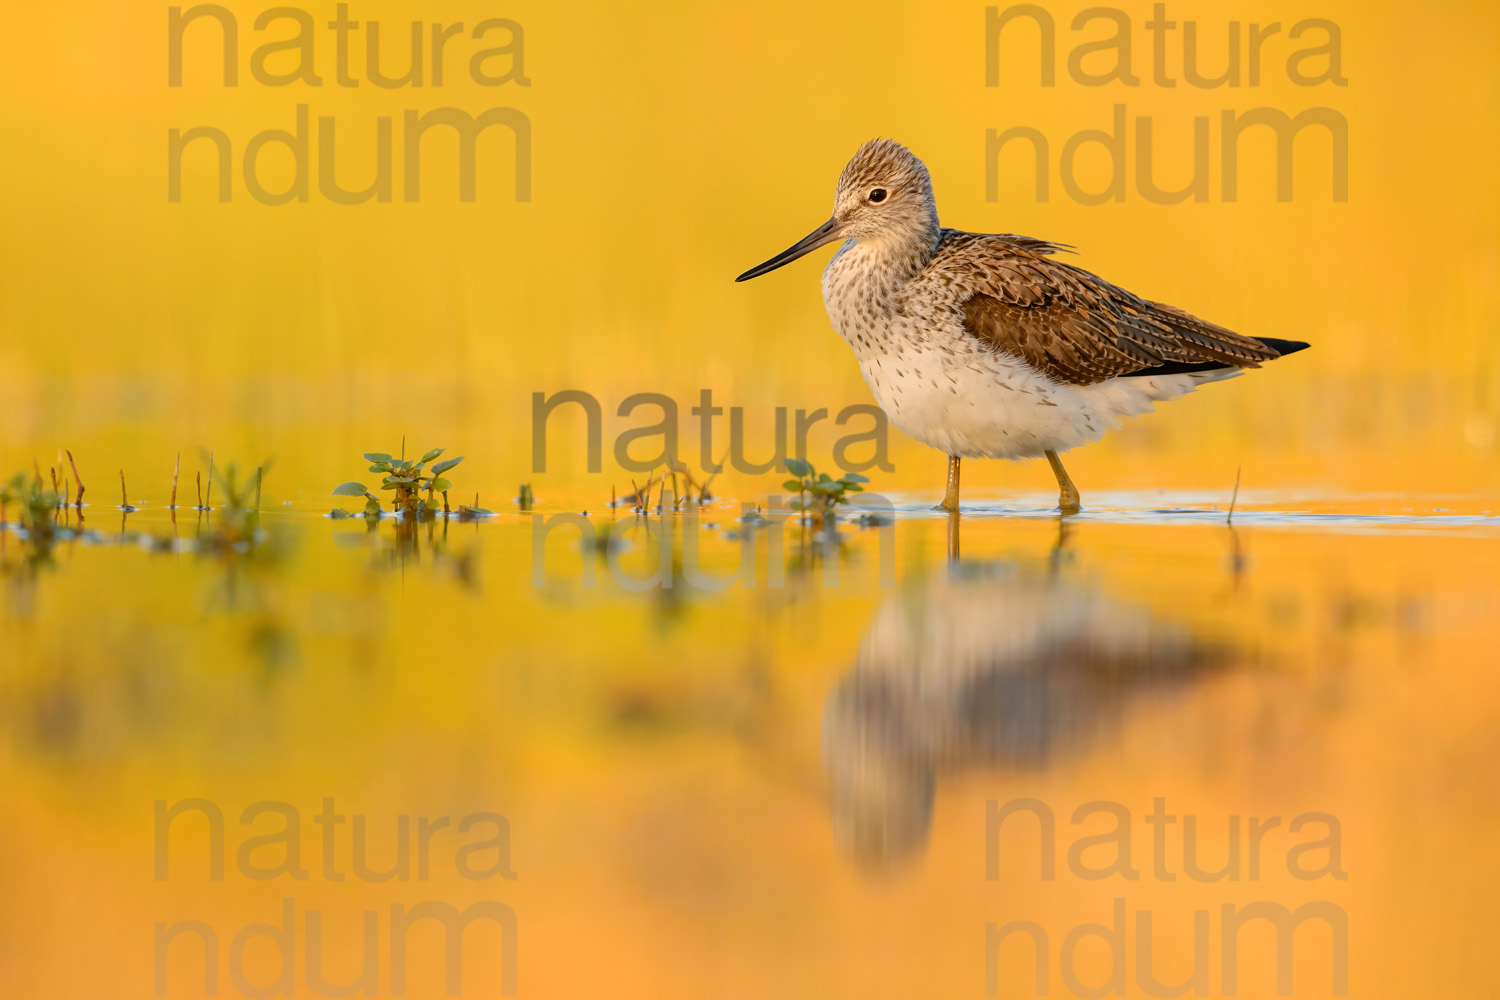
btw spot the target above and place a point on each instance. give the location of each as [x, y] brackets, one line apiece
[777, 787]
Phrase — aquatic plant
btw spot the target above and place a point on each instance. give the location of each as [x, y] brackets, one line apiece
[818, 492]
[639, 499]
[78, 500]
[237, 524]
[125, 504]
[10, 492]
[38, 508]
[408, 479]
[37, 503]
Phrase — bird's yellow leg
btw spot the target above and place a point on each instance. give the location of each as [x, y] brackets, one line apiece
[1067, 498]
[950, 499]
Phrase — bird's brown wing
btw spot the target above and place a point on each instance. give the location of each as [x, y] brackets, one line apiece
[1070, 324]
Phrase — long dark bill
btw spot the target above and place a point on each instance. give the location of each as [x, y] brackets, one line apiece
[824, 234]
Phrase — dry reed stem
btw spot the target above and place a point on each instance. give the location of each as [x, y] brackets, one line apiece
[76, 478]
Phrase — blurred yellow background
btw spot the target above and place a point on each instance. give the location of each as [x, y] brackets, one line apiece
[662, 756]
[676, 145]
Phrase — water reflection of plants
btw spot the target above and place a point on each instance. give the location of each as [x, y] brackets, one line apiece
[413, 540]
[251, 559]
[36, 528]
[416, 515]
[235, 529]
[248, 556]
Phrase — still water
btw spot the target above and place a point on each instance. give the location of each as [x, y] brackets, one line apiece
[922, 757]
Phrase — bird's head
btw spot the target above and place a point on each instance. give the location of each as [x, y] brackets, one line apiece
[883, 194]
[884, 191]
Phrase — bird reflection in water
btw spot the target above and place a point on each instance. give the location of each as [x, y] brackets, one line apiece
[983, 666]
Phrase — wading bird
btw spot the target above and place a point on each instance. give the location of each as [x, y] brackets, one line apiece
[986, 346]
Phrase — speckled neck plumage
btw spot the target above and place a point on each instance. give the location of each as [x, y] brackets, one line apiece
[865, 287]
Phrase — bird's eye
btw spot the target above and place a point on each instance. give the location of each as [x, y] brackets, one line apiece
[878, 194]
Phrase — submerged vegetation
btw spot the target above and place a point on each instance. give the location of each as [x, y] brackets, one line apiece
[38, 504]
[237, 524]
[818, 493]
[639, 498]
[231, 532]
[42, 517]
[36, 507]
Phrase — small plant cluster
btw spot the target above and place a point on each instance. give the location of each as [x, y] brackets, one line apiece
[408, 479]
[639, 499]
[818, 492]
[37, 503]
[238, 523]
